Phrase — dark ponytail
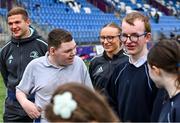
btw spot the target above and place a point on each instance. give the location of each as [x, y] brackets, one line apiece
[178, 69]
[166, 55]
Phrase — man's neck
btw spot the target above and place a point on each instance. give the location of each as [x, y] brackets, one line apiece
[53, 61]
[170, 81]
[135, 58]
[28, 34]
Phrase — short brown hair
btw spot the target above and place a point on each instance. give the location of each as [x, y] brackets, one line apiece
[91, 106]
[58, 36]
[18, 10]
[131, 17]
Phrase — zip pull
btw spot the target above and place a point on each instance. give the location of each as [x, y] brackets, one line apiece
[18, 44]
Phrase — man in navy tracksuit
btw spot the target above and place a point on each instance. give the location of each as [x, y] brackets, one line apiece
[130, 90]
[24, 46]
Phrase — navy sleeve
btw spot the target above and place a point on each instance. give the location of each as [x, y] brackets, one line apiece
[175, 114]
[177, 118]
[3, 68]
[91, 71]
[158, 104]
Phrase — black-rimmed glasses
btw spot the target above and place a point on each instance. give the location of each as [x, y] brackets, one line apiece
[133, 37]
[108, 38]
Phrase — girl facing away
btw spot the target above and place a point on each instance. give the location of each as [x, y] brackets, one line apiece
[164, 70]
[73, 102]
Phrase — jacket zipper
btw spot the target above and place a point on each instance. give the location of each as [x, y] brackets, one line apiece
[18, 44]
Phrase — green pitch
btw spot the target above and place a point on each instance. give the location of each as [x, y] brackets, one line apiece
[2, 97]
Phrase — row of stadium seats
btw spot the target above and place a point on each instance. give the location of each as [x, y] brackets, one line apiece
[166, 23]
[3, 11]
[84, 27]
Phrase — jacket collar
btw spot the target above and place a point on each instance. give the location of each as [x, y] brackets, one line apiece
[48, 64]
[115, 56]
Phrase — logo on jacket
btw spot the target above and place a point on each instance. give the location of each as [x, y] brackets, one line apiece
[34, 54]
[99, 70]
[10, 59]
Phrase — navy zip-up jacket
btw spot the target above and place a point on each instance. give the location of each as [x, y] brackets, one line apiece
[171, 110]
[131, 93]
[14, 57]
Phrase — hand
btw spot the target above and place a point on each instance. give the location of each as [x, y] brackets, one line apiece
[31, 109]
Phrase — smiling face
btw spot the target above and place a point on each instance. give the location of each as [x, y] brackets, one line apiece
[19, 26]
[109, 38]
[64, 55]
[135, 48]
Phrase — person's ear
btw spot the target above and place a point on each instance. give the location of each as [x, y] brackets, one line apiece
[148, 37]
[52, 50]
[156, 70]
[28, 21]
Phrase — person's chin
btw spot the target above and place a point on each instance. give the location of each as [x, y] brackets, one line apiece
[129, 52]
[108, 50]
[70, 62]
[16, 36]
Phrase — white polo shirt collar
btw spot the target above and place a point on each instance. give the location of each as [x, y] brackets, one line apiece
[140, 61]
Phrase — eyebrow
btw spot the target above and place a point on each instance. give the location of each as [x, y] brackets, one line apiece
[135, 33]
[17, 21]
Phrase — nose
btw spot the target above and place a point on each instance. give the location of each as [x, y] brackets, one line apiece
[13, 25]
[128, 40]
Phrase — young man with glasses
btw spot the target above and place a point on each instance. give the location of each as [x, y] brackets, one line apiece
[102, 66]
[130, 90]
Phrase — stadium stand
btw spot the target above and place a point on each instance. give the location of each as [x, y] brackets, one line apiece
[3, 11]
[85, 24]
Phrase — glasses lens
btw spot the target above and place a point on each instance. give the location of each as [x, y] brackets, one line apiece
[134, 38]
[107, 38]
[110, 38]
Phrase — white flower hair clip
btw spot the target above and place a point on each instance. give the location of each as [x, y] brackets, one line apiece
[64, 105]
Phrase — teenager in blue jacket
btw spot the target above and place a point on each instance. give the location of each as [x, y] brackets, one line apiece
[130, 90]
